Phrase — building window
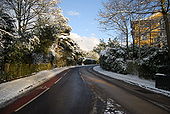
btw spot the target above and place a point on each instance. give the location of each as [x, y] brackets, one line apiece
[143, 37]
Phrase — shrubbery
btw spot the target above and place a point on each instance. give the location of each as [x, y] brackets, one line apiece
[152, 63]
[113, 59]
[147, 60]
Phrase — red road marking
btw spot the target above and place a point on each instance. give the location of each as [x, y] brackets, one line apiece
[30, 96]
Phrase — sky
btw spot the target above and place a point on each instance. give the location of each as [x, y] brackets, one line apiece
[82, 15]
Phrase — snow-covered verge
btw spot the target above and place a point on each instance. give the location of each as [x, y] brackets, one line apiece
[135, 80]
[9, 91]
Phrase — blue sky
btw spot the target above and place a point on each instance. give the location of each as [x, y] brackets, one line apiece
[82, 15]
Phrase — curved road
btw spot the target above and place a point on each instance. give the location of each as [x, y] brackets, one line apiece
[84, 91]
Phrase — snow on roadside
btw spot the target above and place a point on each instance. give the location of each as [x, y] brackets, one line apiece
[9, 91]
[135, 80]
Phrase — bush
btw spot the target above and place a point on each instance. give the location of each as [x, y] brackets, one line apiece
[119, 66]
[151, 64]
[112, 59]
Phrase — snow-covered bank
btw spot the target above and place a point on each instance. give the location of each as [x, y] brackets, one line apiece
[9, 91]
[135, 80]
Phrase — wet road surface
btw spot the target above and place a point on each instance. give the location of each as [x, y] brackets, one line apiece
[83, 91]
[119, 97]
[69, 96]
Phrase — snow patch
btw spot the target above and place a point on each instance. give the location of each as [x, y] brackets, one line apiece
[134, 80]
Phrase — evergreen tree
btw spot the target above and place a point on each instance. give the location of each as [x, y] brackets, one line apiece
[7, 38]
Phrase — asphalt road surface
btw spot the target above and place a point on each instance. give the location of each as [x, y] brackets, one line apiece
[83, 91]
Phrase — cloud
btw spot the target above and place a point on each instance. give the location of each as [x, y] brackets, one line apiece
[73, 13]
[93, 34]
[85, 43]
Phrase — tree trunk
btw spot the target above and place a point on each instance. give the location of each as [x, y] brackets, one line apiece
[127, 42]
[139, 42]
[127, 46]
[133, 46]
[167, 30]
[19, 18]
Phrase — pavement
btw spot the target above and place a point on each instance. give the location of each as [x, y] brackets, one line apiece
[84, 91]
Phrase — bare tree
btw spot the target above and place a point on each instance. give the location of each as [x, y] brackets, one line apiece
[112, 18]
[26, 11]
[133, 8]
[165, 4]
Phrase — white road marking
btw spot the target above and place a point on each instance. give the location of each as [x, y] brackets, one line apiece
[65, 73]
[38, 94]
[58, 80]
[80, 72]
[61, 77]
[81, 76]
[31, 100]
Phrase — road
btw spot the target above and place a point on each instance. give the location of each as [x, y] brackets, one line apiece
[84, 91]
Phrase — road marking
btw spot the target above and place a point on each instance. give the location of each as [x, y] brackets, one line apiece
[39, 94]
[80, 72]
[58, 80]
[81, 75]
[89, 68]
[65, 73]
[158, 104]
[31, 100]
[43, 87]
[82, 78]
[61, 77]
